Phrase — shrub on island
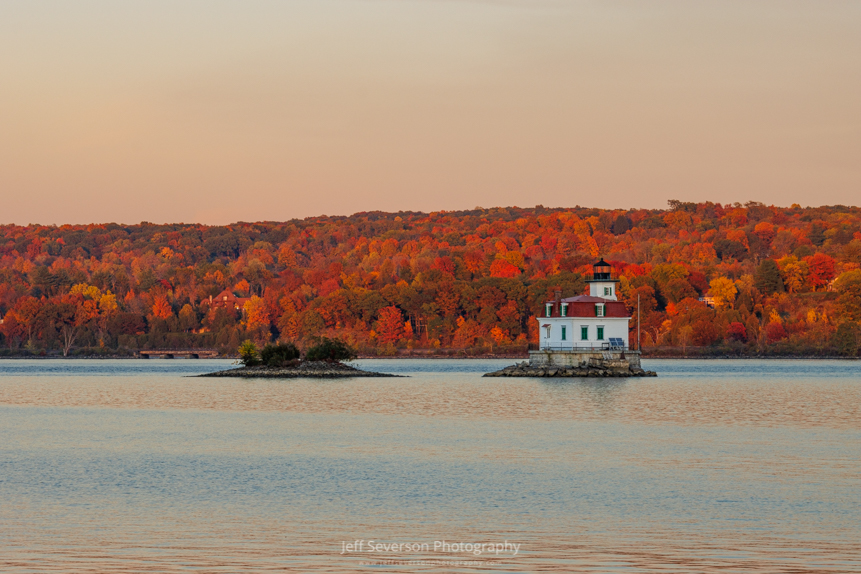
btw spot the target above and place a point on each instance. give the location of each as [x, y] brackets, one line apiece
[248, 355]
[287, 355]
[280, 355]
[330, 350]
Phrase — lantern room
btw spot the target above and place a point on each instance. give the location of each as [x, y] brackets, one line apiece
[602, 271]
[602, 284]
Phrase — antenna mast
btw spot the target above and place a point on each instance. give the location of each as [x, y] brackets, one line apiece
[638, 321]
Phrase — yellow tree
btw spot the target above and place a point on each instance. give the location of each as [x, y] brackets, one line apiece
[723, 291]
[107, 303]
[794, 273]
[256, 315]
[87, 291]
[100, 306]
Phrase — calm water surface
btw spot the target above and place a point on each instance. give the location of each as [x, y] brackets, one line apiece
[131, 466]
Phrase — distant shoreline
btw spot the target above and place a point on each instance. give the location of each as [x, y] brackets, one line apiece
[470, 357]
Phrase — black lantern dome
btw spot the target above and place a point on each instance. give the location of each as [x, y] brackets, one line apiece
[602, 271]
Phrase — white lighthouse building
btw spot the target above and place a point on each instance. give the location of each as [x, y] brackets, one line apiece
[576, 329]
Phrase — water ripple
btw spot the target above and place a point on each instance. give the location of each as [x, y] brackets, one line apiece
[132, 466]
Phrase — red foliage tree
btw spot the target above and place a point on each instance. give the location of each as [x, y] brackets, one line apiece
[821, 270]
[502, 268]
[161, 309]
[775, 332]
[390, 326]
[705, 332]
[736, 332]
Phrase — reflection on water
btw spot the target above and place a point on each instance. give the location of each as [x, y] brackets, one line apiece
[713, 466]
[692, 395]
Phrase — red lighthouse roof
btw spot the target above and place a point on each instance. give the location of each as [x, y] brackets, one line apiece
[584, 306]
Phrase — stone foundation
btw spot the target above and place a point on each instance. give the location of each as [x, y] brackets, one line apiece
[577, 358]
[577, 364]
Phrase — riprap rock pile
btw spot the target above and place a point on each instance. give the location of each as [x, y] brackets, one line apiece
[587, 369]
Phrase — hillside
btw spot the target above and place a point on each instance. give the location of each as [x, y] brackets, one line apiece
[782, 281]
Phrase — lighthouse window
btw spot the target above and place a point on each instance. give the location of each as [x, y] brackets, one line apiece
[584, 332]
[600, 333]
[564, 310]
[564, 333]
[608, 290]
[599, 310]
[548, 310]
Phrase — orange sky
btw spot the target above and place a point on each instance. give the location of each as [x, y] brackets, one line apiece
[216, 112]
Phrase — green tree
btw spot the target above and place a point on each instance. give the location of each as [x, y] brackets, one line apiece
[621, 225]
[187, 318]
[330, 350]
[279, 355]
[767, 278]
[847, 339]
[816, 235]
[248, 354]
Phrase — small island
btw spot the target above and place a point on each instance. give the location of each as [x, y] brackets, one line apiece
[283, 361]
[619, 367]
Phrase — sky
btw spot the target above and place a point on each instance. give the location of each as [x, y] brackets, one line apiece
[215, 112]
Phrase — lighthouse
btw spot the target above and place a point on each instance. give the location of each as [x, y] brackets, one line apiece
[578, 329]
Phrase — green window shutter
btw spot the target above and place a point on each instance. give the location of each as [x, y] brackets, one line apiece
[600, 333]
[564, 334]
[584, 333]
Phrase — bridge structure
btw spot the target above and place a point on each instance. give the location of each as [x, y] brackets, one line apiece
[179, 353]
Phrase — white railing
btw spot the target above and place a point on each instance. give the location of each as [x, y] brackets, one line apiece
[597, 347]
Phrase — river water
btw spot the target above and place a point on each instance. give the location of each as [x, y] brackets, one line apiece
[714, 466]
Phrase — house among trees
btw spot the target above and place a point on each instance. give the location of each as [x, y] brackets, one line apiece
[227, 300]
[708, 299]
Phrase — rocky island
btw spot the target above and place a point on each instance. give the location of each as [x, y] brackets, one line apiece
[577, 363]
[282, 361]
[302, 369]
[588, 369]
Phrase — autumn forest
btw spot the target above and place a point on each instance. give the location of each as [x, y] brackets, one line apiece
[711, 279]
